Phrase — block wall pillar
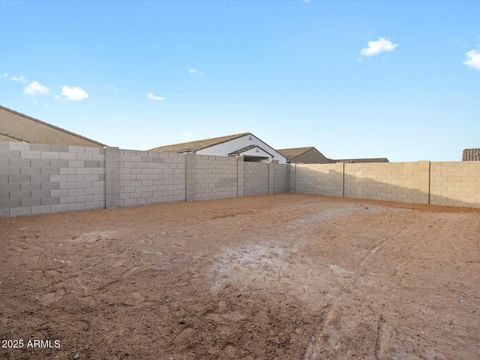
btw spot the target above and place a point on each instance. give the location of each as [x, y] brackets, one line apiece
[190, 177]
[112, 177]
[240, 177]
[271, 174]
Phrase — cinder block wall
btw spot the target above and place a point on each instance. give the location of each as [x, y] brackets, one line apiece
[256, 178]
[38, 178]
[325, 179]
[452, 183]
[455, 183]
[280, 178]
[404, 182]
[215, 177]
[241, 176]
[148, 177]
[292, 178]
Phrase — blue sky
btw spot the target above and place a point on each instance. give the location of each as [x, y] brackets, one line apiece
[142, 74]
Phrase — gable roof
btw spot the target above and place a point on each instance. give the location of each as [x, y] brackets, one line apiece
[471, 155]
[193, 146]
[292, 153]
[21, 127]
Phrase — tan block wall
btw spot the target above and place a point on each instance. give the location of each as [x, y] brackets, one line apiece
[149, 177]
[292, 177]
[403, 182]
[280, 177]
[43, 178]
[256, 178]
[215, 177]
[455, 183]
[324, 179]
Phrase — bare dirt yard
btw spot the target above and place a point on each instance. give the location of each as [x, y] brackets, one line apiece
[268, 277]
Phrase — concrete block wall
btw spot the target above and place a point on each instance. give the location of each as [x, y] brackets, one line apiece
[112, 177]
[325, 179]
[257, 178]
[292, 178]
[148, 177]
[241, 176]
[404, 182]
[39, 178]
[189, 177]
[280, 177]
[271, 178]
[455, 183]
[215, 177]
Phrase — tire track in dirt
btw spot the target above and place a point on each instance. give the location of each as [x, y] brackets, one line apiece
[346, 288]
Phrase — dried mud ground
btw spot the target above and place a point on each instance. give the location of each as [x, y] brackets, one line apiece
[268, 277]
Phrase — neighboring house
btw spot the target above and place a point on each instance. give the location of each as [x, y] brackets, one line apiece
[246, 145]
[471, 155]
[310, 155]
[15, 126]
[305, 155]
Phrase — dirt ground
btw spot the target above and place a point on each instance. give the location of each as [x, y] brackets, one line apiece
[268, 277]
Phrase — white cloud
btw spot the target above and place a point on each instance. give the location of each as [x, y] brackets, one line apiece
[473, 59]
[20, 79]
[73, 93]
[378, 46]
[192, 71]
[35, 88]
[154, 97]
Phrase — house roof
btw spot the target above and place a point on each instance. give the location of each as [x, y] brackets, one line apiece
[4, 136]
[292, 153]
[21, 127]
[471, 155]
[193, 146]
[364, 160]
